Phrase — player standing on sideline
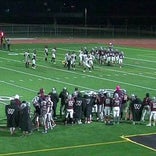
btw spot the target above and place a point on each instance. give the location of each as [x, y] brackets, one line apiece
[116, 103]
[69, 109]
[12, 113]
[25, 120]
[107, 108]
[46, 53]
[63, 96]
[146, 106]
[153, 112]
[87, 108]
[55, 99]
[100, 106]
[44, 114]
[37, 112]
[53, 55]
[50, 120]
[136, 108]
[78, 108]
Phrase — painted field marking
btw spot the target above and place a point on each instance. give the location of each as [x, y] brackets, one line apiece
[116, 81]
[90, 76]
[129, 140]
[64, 148]
[18, 86]
[107, 69]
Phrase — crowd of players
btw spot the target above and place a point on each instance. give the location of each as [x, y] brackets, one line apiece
[84, 57]
[87, 58]
[107, 106]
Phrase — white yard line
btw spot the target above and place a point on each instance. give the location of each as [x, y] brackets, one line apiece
[134, 85]
[17, 86]
[70, 84]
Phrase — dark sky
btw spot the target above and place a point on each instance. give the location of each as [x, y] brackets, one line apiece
[15, 10]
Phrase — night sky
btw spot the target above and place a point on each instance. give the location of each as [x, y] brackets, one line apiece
[98, 11]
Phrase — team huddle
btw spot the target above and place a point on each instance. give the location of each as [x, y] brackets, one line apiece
[80, 107]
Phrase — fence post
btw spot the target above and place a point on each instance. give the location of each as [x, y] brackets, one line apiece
[113, 32]
[139, 31]
[28, 29]
[12, 29]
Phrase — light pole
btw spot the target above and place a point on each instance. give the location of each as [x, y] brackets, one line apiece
[85, 17]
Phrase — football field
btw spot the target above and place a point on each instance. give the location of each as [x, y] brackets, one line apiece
[137, 76]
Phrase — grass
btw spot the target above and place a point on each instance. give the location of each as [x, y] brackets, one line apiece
[137, 76]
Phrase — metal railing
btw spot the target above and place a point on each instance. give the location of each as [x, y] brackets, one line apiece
[45, 30]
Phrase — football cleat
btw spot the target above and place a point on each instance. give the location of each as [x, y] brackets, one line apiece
[149, 125]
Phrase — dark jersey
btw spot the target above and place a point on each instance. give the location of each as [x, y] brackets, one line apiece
[63, 95]
[153, 106]
[78, 107]
[146, 101]
[70, 103]
[108, 102]
[54, 97]
[136, 108]
[88, 104]
[25, 120]
[116, 102]
[12, 113]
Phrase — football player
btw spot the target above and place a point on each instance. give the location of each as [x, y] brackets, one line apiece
[44, 114]
[136, 108]
[46, 53]
[55, 99]
[12, 113]
[69, 109]
[63, 96]
[100, 106]
[107, 107]
[116, 103]
[87, 108]
[25, 120]
[146, 106]
[53, 55]
[78, 108]
[37, 112]
[73, 60]
[34, 59]
[27, 58]
[121, 57]
[50, 121]
[152, 112]
[86, 63]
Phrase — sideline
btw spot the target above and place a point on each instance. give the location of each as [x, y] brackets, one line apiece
[63, 148]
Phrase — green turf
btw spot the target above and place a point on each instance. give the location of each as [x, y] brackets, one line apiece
[137, 76]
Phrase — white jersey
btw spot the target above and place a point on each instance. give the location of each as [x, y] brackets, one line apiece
[53, 53]
[34, 56]
[27, 56]
[73, 58]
